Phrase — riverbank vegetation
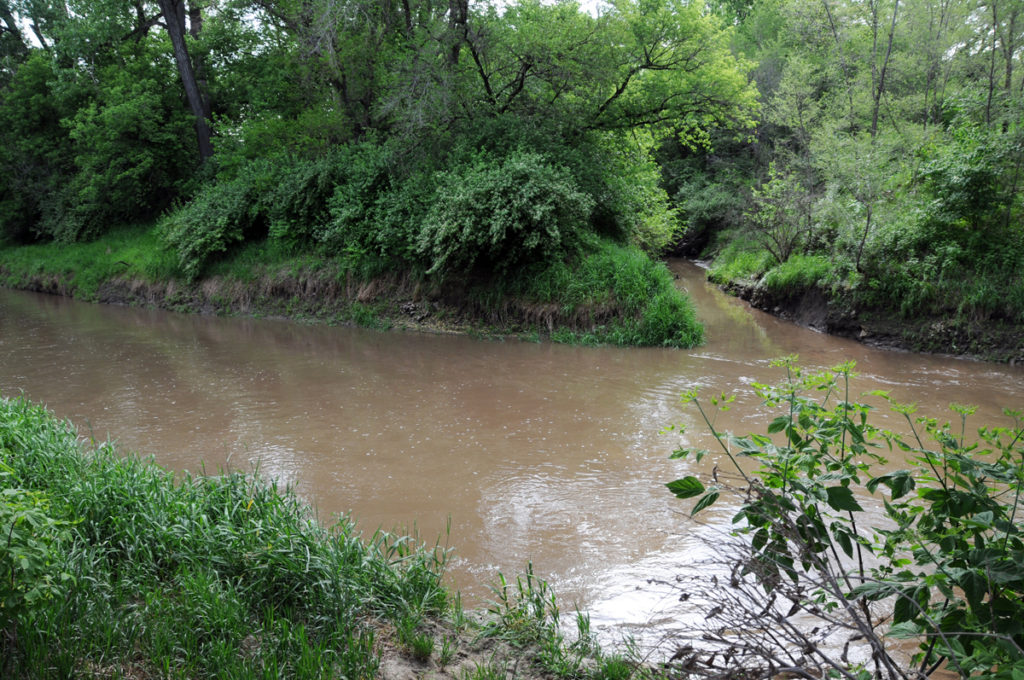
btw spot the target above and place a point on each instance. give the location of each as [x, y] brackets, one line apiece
[885, 172]
[844, 564]
[113, 567]
[869, 154]
[462, 147]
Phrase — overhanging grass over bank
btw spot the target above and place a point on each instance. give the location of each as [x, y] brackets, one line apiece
[954, 315]
[111, 567]
[607, 294]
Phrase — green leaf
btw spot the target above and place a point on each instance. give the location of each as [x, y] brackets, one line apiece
[872, 590]
[845, 543]
[905, 631]
[778, 425]
[904, 608]
[704, 502]
[683, 453]
[975, 587]
[841, 498]
[687, 487]
[900, 483]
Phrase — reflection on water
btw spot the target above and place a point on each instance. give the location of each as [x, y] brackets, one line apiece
[536, 452]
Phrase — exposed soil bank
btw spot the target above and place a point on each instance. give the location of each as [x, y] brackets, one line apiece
[329, 296]
[986, 339]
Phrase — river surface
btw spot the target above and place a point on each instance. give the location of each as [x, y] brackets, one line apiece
[533, 452]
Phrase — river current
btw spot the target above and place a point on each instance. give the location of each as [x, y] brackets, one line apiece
[537, 453]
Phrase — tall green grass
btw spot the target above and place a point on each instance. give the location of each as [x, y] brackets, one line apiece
[632, 298]
[129, 251]
[797, 274]
[200, 577]
[740, 259]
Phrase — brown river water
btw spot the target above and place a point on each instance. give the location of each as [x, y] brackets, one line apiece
[533, 452]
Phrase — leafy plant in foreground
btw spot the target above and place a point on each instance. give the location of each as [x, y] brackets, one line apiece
[940, 560]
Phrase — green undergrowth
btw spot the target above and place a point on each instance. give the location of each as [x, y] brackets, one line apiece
[743, 261]
[603, 293]
[128, 252]
[114, 567]
[798, 273]
[738, 260]
[955, 285]
[612, 295]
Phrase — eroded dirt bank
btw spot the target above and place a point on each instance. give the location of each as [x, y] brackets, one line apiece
[325, 295]
[986, 339]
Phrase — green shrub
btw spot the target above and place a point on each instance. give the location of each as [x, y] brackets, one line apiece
[938, 559]
[798, 273]
[740, 259]
[36, 155]
[645, 306]
[297, 204]
[500, 213]
[364, 177]
[219, 217]
[29, 573]
[132, 151]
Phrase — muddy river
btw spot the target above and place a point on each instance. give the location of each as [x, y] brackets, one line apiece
[533, 452]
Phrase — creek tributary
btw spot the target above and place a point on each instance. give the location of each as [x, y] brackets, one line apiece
[536, 452]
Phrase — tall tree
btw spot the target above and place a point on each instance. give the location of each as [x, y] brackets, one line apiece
[174, 20]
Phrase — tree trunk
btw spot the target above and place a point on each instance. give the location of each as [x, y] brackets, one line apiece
[863, 238]
[458, 16]
[10, 25]
[174, 19]
[195, 26]
[992, 64]
[880, 84]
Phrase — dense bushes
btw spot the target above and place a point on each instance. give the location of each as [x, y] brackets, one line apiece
[513, 222]
[500, 214]
[617, 294]
[220, 217]
[79, 158]
[488, 212]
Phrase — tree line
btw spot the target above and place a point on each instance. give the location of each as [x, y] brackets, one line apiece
[870, 148]
[887, 159]
[339, 124]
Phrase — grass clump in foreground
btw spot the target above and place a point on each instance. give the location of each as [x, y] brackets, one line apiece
[112, 568]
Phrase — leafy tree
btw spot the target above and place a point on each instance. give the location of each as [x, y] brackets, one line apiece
[781, 215]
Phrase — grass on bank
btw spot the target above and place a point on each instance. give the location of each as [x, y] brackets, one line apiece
[987, 288]
[111, 567]
[114, 567]
[607, 294]
[127, 252]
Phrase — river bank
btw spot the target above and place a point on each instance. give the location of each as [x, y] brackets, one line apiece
[322, 291]
[838, 313]
[115, 567]
[522, 447]
[612, 294]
